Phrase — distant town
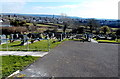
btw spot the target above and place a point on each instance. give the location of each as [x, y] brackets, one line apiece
[39, 18]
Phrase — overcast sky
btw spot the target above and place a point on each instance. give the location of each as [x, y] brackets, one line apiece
[82, 8]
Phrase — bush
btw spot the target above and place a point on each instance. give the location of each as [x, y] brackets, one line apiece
[10, 30]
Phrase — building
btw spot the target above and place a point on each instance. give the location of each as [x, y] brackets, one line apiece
[4, 24]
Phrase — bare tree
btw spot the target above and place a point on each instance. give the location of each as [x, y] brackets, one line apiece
[9, 30]
[67, 22]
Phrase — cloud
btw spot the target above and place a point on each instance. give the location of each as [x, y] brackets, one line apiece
[97, 9]
[16, 0]
[12, 7]
[56, 7]
[40, 0]
[86, 8]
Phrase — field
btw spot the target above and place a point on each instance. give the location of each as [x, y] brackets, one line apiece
[11, 64]
[30, 24]
[43, 25]
[108, 41]
[114, 29]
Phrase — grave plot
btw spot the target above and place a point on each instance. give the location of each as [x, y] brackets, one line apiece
[27, 46]
[42, 45]
[29, 42]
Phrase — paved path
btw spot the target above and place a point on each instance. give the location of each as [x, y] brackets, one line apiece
[77, 59]
[22, 53]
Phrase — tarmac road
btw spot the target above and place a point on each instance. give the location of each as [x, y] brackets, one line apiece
[77, 59]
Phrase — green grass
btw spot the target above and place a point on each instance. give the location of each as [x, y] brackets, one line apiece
[11, 64]
[59, 25]
[42, 45]
[42, 25]
[110, 41]
[76, 39]
[56, 24]
[30, 24]
[0, 67]
[114, 29]
[49, 23]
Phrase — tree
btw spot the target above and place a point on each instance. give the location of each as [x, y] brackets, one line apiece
[93, 24]
[34, 24]
[55, 29]
[20, 29]
[118, 33]
[10, 30]
[78, 30]
[105, 29]
[14, 22]
[22, 23]
[64, 19]
[81, 30]
[65, 27]
[32, 28]
[17, 22]
[67, 22]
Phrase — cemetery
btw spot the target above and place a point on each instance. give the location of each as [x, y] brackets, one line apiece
[26, 35]
[44, 42]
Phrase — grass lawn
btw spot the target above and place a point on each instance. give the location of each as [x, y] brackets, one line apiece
[43, 25]
[110, 41]
[114, 28]
[30, 24]
[56, 24]
[76, 39]
[42, 45]
[59, 25]
[11, 64]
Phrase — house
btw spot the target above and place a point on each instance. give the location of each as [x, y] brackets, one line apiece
[4, 24]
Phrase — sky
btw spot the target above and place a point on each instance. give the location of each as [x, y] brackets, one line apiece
[107, 9]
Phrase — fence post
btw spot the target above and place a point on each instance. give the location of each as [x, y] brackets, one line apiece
[61, 37]
[7, 43]
[27, 45]
[48, 44]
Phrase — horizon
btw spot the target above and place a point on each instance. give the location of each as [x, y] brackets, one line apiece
[59, 15]
[101, 9]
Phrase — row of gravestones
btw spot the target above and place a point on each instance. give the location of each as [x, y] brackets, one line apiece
[25, 37]
[32, 36]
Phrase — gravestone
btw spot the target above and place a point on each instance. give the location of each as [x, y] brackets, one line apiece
[3, 39]
[17, 36]
[24, 40]
[42, 36]
[11, 37]
[48, 36]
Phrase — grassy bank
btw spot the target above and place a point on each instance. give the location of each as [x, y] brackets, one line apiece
[12, 63]
[42, 45]
[109, 41]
